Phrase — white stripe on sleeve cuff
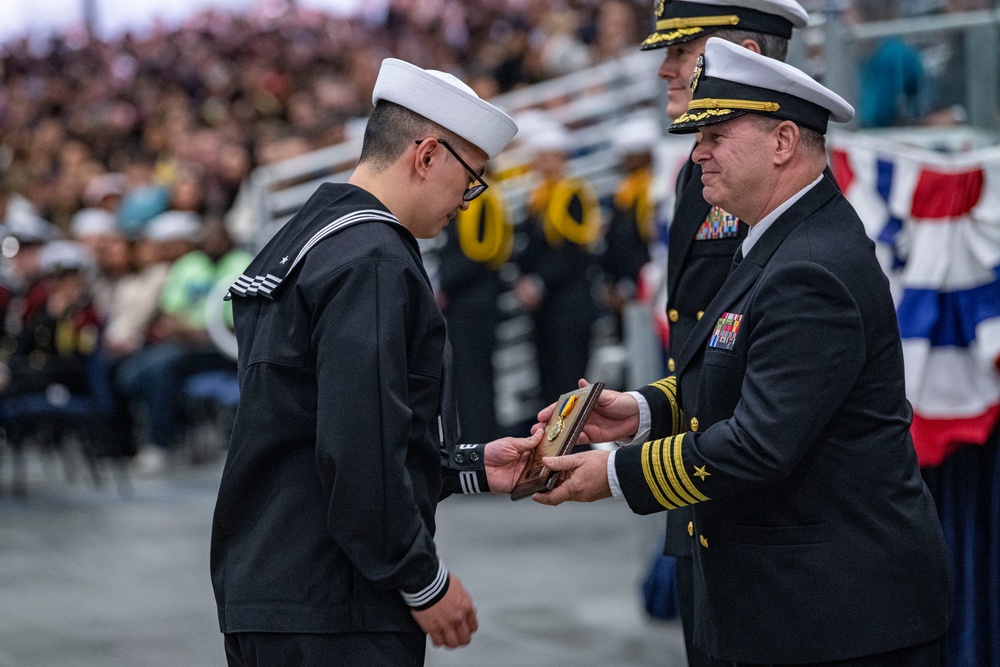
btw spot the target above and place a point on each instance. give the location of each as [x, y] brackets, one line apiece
[430, 592]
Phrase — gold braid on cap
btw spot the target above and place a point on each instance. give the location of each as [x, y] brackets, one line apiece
[697, 22]
[748, 105]
[716, 108]
[658, 37]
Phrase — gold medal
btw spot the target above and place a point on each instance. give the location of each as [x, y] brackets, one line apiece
[567, 407]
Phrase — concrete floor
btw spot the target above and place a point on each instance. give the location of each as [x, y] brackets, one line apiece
[94, 578]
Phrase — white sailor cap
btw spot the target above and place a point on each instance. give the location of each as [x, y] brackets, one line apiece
[550, 138]
[683, 21]
[730, 81]
[444, 99]
[93, 222]
[636, 134]
[531, 122]
[173, 225]
[61, 256]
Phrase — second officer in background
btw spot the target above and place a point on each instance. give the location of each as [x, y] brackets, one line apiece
[633, 214]
[703, 238]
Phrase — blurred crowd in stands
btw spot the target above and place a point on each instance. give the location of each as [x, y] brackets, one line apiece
[196, 108]
[121, 161]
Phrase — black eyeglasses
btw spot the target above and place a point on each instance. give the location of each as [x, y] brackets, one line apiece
[477, 186]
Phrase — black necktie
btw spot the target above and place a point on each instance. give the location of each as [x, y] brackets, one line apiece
[737, 258]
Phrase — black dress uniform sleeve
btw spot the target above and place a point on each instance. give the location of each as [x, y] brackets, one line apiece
[806, 350]
[464, 470]
[666, 417]
[365, 331]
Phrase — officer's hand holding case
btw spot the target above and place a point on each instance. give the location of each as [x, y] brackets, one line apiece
[561, 435]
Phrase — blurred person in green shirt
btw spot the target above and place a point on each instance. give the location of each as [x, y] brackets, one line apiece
[178, 342]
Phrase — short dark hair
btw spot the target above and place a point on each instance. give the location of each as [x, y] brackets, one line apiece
[391, 129]
[771, 46]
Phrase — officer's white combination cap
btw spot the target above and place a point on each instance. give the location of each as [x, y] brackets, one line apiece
[680, 21]
[730, 81]
[444, 99]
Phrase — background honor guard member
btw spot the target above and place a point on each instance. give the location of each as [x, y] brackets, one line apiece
[344, 442]
[633, 213]
[558, 262]
[786, 426]
[703, 237]
[477, 245]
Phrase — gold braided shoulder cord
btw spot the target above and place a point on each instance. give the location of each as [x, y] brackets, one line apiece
[558, 221]
[489, 211]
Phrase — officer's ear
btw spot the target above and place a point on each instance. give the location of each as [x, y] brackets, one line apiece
[787, 137]
[751, 45]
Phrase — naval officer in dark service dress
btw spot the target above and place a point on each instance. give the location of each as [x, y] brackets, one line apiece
[345, 438]
[818, 542]
[703, 238]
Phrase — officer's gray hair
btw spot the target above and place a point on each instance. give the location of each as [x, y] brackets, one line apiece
[771, 46]
[810, 139]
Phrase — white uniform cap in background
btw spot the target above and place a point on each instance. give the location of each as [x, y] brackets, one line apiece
[58, 256]
[444, 99]
[531, 122]
[94, 222]
[730, 81]
[637, 134]
[173, 225]
[545, 134]
[553, 139]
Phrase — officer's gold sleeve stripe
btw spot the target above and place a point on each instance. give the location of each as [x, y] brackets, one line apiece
[679, 467]
[648, 474]
[661, 471]
[677, 489]
[669, 387]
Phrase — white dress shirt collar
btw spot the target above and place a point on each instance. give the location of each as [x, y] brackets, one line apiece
[757, 230]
